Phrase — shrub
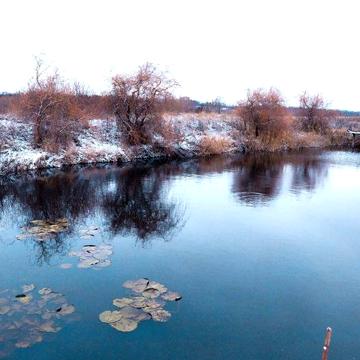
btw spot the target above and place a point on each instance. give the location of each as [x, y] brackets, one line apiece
[214, 145]
[314, 115]
[263, 114]
[136, 102]
[52, 108]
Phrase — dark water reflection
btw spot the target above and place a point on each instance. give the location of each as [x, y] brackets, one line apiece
[269, 232]
[133, 199]
[260, 179]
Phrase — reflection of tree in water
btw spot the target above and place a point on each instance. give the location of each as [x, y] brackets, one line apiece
[64, 195]
[260, 178]
[49, 198]
[133, 200]
[45, 250]
[138, 204]
[307, 174]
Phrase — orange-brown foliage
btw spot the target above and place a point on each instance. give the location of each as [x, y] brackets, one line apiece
[137, 102]
[314, 115]
[264, 115]
[214, 145]
[52, 108]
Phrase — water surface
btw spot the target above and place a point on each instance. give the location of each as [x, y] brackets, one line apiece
[264, 249]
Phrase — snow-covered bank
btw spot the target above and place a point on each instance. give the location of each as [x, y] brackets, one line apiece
[99, 143]
[191, 135]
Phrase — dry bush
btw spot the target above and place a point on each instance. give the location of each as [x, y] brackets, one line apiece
[214, 145]
[137, 102]
[314, 115]
[52, 108]
[263, 115]
[339, 137]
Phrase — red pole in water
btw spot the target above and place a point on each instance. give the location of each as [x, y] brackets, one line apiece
[326, 346]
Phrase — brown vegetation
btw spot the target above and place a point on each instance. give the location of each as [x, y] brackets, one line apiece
[52, 108]
[214, 145]
[263, 115]
[314, 115]
[137, 100]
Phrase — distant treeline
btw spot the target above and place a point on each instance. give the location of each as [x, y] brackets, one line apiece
[181, 104]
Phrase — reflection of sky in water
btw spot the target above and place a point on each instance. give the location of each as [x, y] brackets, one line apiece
[263, 248]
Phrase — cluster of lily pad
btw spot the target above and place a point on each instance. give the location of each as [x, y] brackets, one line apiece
[27, 316]
[93, 256]
[89, 232]
[43, 229]
[146, 303]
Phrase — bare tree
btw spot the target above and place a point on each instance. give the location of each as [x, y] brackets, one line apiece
[50, 105]
[263, 113]
[137, 100]
[314, 115]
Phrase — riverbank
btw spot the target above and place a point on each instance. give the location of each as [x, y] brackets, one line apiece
[191, 135]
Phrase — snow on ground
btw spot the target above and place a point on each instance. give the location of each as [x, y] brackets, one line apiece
[100, 143]
[191, 134]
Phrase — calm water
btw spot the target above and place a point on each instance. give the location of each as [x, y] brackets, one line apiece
[264, 249]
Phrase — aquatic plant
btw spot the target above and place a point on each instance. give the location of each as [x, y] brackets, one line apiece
[93, 256]
[26, 317]
[146, 303]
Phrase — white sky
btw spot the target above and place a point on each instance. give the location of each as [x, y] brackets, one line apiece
[213, 48]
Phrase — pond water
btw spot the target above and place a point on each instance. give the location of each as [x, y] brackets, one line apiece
[264, 249]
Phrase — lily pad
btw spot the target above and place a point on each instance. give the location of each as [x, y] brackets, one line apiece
[93, 256]
[104, 263]
[139, 302]
[33, 338]
[38, 222]
[89, 232]
[129, 312]
[23, 298]
[23, 344]
[135, 309]
[66, 309]
[45, 291]
[156, 285]
[3, 301]
[122, 302]
[110, 316]
[125, 325]
[28, 288]
[49, 327]
[23, 236]
[151, 293]
[171, 296]
[22, 326]
[160, 315]
[87, 263]
[4, 309]
[136, 285]
[153, 304]
[48, 315]
[43, 229]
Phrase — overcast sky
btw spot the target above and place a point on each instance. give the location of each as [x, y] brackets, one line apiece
[213, 48]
